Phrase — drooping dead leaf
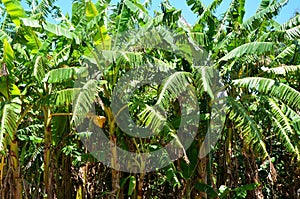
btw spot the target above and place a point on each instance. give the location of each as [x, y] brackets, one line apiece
[3, 71]
[99, 121]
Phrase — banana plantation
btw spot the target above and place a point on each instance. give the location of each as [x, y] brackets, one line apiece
[115, 100]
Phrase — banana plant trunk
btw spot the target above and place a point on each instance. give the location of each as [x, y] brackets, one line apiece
[228, 157]
[14, 158]
[115, 173]
[47, 152]
[202, 174]
[251, 170]
[2, 174]
[140, 185]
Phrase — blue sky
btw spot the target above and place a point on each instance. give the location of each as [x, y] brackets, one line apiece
[251, 6]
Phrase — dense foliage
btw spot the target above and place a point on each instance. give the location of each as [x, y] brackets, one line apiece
[42, 61]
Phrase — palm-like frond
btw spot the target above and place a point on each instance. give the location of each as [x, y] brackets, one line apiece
[296, 124]
[253, 48]
[66, 96]
[39, 69]
[153, 117]
[77, 12]
[123, 58]
[152, 38]
[63, 74]
[33, 42]
[173, 86]
[9, 56]
[289, 112]
[223, 44]
[56, 29]
[139, 9]
[15, 10]
[295, 21]
[203, 79]
[291, 29]
[263, 5]
[60, 30]
[228, 15]
[293, 116]
[255, 21]
[197, 6]
[236, 11]
[213, 6]
[283, 125]
[38, 151]
[270, 87]
[283, 70]
[292, 33]
[83, 101]
[286, 53]
[34, 128]
[122, 21]
[10, 116]
[44, 7]
[248, 127]
[210, 9]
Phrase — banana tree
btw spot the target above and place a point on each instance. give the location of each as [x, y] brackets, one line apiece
[249, 54]
[47, 73]
[257, 59]
[12, 115]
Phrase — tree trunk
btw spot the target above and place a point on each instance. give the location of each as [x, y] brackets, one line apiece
[115, 173]
[202, 174]
[47, 152]
[251, 170]
[228, 156]
[140, 185]
[14, 158]
[67, 182]
[2, 174]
